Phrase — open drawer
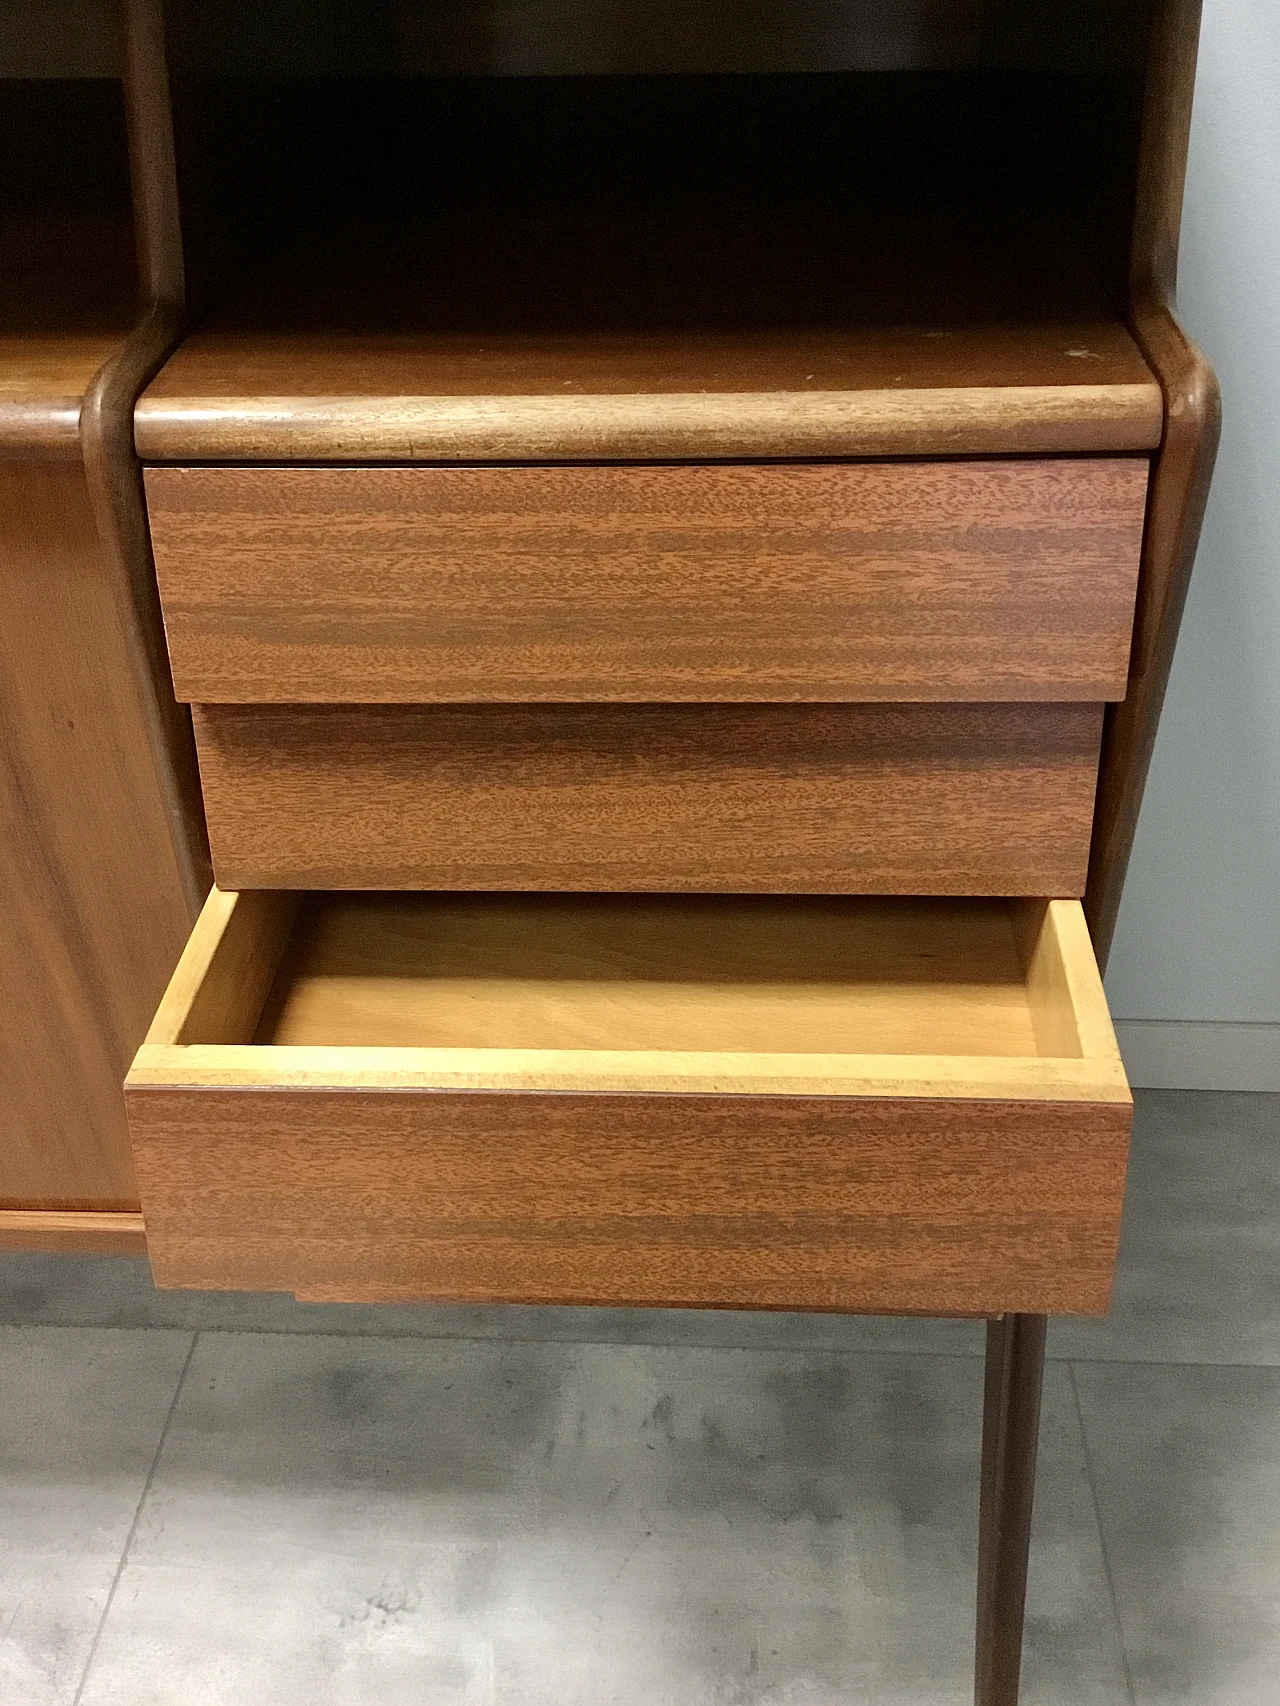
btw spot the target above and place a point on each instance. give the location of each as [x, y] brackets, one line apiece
[819, 1103]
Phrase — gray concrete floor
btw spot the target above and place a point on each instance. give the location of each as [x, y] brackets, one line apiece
[246, 1501]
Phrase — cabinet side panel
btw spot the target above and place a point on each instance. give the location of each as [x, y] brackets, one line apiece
[93, 917]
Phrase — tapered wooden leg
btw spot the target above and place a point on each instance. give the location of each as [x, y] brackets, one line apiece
[1010, 1431]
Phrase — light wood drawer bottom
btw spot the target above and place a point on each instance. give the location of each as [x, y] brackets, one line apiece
[846, 1104]
[859, 799]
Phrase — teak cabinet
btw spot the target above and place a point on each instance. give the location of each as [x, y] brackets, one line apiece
[673, 569]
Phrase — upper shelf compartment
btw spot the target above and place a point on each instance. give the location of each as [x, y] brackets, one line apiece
[846, 264]
[68, 295]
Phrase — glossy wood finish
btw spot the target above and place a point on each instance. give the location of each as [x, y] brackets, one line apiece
[96, 869]
[1010, 1437]
[714, 333]
[971, 420]
[94, 911]
[85, 1232]
[111, 466]
[538, 1135]
[1179, 493]
[896, 799]
[114, 483]
[59, 321]
[884, 581]
[1181, 472]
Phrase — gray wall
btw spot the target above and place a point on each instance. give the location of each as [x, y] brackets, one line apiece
[1199, 933]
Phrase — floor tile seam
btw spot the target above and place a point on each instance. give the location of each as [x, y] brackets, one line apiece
[1099, 1361]
[1164, 1362]
[96, 1327]
[514, 1339]
[1096, 1501]
[137, 1517]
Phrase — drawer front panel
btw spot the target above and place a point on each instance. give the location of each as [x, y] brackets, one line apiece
[942, 1207]
[926, 581]
[876, 799]
[634, 1100]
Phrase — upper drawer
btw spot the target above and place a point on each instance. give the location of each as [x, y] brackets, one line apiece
[861, 581]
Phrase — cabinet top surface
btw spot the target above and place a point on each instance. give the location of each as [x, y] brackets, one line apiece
[787, 330]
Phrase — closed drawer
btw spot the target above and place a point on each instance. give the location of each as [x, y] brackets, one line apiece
[912, 581]
[872, 799]
[823, 1104]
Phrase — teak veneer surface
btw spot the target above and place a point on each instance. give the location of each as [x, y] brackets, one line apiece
[897, 581]
[889, 799]
[634, 333]
[92, 908]
[573, 1099]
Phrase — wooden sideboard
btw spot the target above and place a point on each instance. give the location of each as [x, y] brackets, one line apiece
[673, 577]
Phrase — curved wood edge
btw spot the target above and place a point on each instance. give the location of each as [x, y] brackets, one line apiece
[114, 478]
[1175, 511]
[83, 1232]
[1162, 159]
[959, 421]
[153, 171]
[1181, 470]
[112, 469]
[44, 427]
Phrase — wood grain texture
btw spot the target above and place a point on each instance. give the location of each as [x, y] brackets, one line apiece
[65, 306]
[973, 420]
[317, 1164]
[1181, 471]
[98, 895]
[1012, 1387]
[718, 330]
[1179, 494]
[692, 973]
[67, 302]
[1064, 989]
[94, 913]
[1162, 160]
[83, 1233]
[880, 799]
[157, 214]
[451, 992]
[114, 482]
[892, 581]
[822, 1203]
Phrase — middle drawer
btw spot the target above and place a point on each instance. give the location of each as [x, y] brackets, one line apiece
[871, 799]
[910, 581]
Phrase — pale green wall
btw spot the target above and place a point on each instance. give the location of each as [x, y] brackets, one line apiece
[1199, 934]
